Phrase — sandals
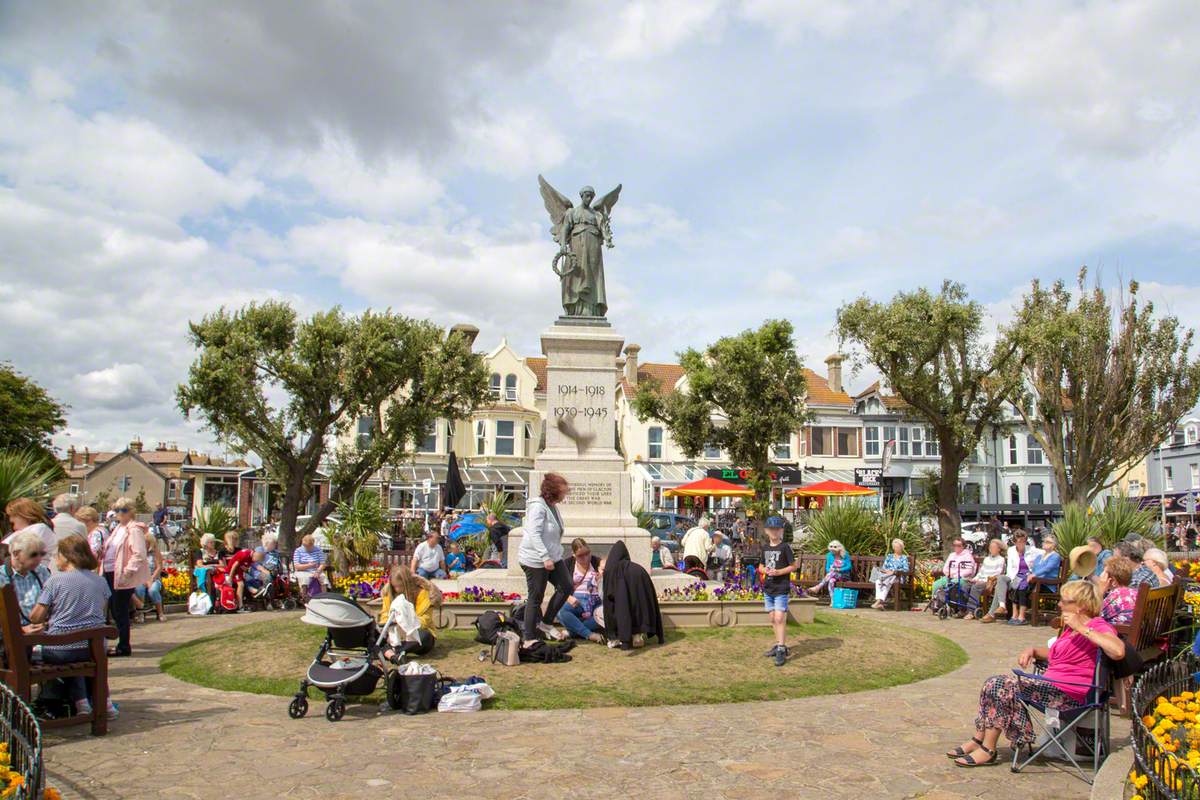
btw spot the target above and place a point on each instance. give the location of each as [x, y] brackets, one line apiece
[960, 753]
[968, 762]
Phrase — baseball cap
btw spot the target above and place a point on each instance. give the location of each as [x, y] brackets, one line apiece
[775, 522]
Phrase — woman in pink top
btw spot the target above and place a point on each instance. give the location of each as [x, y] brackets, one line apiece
[1072, 666]
[125, 567]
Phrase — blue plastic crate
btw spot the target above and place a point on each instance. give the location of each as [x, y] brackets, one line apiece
[844, 598]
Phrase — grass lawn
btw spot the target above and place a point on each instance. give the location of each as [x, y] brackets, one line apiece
[835, 654]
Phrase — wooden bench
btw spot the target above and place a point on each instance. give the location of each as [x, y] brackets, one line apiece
[1043, 591]
[1153, 617]
[812, 570]
[21, 674]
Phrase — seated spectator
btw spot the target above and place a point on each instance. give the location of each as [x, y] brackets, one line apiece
[27, 572]
[722, 554]
[75, 598]
[25, 514]
[697, 542]
[660, 555]
[1102, 554]
[987, 577]
[210, 557]
[837, 568]
[578, 614]
[428, 559]
[257, 577]
[1071, 669]
[272, 559]
[308, 561]
[1154, 570]
[456, 561]
[959, 569]
[425, 597]
[1021, 558]
[94, 532]
[472, 559]
[631, 610]
[1048, 565]
[894, 563]
[229, 546]
[1119, 597]
[152, 590]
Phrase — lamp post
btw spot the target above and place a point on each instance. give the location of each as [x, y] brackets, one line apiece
[1162, 494]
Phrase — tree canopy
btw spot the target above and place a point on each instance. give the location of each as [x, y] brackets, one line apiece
[1105, 380]
[744, 393]
[267, 382]
[29, 416]
[932, 350]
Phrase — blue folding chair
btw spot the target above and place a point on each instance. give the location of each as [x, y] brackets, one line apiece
[1069, 720]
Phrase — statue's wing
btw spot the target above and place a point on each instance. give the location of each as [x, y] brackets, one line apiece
[556, 204]
[607, 202]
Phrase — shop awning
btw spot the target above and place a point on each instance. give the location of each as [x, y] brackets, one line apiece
[415, 475]
[709, 487]
[666, 474]
[831, 489]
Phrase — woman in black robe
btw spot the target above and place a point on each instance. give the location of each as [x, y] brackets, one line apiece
[630, 602]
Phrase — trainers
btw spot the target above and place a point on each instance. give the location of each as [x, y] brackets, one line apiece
[83, 706]
[781, 656]
[114, 710]
[771, 653]
[244, 610]
[547, 630]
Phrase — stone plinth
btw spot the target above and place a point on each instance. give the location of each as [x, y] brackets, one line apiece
[581, 381]
[505, 581]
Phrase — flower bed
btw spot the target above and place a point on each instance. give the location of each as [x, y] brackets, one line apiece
[477, 594]
[1166, 738]
[362, 584]
[176, 585]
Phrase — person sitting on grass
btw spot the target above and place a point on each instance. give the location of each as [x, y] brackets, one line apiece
[428, 559]
[425, 597]
[1065, 683]
[456, 562]
[73, 599]
[837, 568]
[27, 572]
[894, 563]
[578, 614]
[778, 563]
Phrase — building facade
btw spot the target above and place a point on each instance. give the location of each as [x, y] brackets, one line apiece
[1173, 473]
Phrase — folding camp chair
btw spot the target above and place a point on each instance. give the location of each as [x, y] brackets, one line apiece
[1055, 725]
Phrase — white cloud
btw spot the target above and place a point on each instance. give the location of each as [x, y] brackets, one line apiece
[122, 386]
[648, 224]
[512, 143]
[647, 29]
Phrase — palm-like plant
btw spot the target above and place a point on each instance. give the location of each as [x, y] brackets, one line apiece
[500, 504]
[356, 538]
[1121, 517]
[901, 520]
[849, 522]
[214, 519]
[1074, 528]
[644, 518]
[24, 474]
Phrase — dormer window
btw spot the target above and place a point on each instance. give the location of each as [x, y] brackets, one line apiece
[510, 388]
[496, 385]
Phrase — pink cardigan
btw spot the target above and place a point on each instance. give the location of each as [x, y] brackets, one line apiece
[131, 567]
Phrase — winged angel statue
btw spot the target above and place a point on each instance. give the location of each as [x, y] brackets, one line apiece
[579, 231]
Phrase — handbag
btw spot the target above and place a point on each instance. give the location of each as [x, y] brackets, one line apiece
[199, 603]
[507, 649]
[876, 574]
[1131, 664]
[417, 693]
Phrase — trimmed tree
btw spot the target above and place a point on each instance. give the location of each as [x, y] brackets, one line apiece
[744, 393]
[283, 388]
[1105, 381]
[932, 351]
[29, 416]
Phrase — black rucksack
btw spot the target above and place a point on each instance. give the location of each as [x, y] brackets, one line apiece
[546, 653]
[488, 624]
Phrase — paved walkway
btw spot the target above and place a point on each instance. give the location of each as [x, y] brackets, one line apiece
[175, 740]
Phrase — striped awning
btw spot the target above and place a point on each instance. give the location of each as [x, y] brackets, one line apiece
[415, 475]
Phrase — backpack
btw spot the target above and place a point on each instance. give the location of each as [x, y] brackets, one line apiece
[489, 624]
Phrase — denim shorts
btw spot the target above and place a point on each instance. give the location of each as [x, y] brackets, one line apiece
[775, 602]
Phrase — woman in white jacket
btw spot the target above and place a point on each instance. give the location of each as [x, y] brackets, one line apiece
[991, 569]
[1021, 558]
[541, 557]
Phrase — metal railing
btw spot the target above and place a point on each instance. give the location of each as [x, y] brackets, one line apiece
[1170, 778]
[20, 730]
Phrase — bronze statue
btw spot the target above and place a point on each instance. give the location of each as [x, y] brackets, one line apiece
[579, 231]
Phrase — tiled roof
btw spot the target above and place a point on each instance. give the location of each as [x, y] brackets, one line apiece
[667, 375]
[163, 456]
[889, 400]
[820, 394]
[538, 365]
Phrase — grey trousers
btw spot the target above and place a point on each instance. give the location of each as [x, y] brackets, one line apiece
[1000, 598]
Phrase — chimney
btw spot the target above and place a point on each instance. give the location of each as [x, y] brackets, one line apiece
[469, 331]
[136, 445]
[834, 371]
[631, 363]
[160, 446]
[87, 457]
[71, 457]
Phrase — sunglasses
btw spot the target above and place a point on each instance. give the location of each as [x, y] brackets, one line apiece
[123, 510]
[37, 555]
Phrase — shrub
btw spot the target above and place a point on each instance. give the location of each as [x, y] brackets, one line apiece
[1121, 517]
[865, 531]
[1073, 529]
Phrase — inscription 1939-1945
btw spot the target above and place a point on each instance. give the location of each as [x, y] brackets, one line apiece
[582, 402]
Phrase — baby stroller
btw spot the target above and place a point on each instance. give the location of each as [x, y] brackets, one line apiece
[959, 600]
[349, 662]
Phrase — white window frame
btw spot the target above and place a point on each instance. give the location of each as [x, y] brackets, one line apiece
[420, 443]
[74, 488]
[712, 452]
[511, 437]
[1033, 449]
[1029, 492]
[933, 448]
[510, 388]
[782, 451]
[829, 446]
[364, 437]
[1191, 434]
[917, 436]
[902, 442]
[480, 437]
[171, 490]
[871, 440]
[1014, 494]
[651, 444]
[1012, 450]
[1195, 471]
[852, 434]
[495, 385]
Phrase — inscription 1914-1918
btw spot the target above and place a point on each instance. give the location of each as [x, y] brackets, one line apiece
[573, 402]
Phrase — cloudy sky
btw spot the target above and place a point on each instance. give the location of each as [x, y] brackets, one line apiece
[779, 157]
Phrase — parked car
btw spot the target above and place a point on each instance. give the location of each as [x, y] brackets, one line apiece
[670, 527]
[320, 535]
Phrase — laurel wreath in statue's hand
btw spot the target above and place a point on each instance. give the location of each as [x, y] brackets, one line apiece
[572, 262]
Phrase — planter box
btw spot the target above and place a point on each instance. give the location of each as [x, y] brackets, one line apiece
[676, 614]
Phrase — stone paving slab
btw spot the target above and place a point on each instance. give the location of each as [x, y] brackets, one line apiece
[179, 741]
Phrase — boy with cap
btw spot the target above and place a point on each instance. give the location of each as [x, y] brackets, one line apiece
[778, 563]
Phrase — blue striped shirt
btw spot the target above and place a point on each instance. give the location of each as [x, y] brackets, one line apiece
[303, 556]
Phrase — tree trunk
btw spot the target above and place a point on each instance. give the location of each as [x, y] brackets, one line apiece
[949, 520]
[289, 509]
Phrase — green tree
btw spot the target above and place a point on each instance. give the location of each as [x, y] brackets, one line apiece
[268, 383]
[1105, 381]
[357, 536]
[743, 393]
[932, 351]
[139, 503]
[28, 415]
